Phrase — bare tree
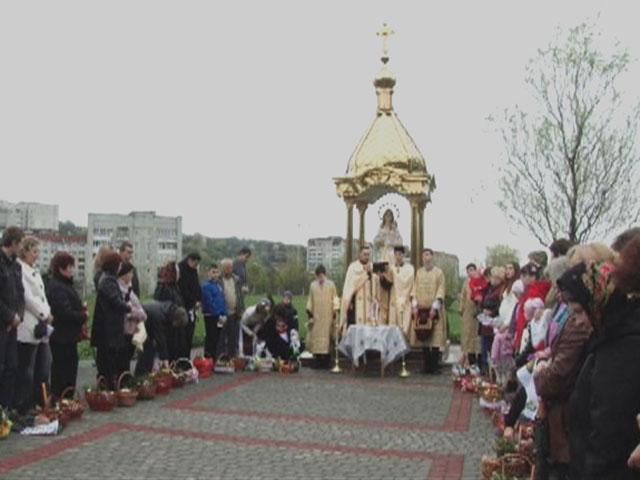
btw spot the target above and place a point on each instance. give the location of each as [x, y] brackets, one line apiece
[572, 165]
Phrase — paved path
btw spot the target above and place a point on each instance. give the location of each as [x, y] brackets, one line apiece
[312, 425]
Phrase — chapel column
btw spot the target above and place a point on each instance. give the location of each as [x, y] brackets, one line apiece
[362, 208]
[349, 247]
[421, 208]
[414, 233]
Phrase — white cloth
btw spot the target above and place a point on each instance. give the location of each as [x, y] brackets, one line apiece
[50, 428]
[525, 377]
[36, 305]
[386, 339]
[507, 305]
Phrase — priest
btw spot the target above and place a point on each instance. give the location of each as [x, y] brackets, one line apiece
[401, 274]
[360, 295]
[428, 296]
[320, 313]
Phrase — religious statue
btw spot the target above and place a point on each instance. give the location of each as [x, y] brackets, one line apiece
[387, 238]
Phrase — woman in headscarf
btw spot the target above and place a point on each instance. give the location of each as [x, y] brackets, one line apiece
[606, 399]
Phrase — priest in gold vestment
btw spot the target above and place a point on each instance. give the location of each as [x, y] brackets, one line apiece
[402, 280]
[360, 294]
[429, 293]
[320, 313]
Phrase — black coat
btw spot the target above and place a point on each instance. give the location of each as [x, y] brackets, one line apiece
[278, 347]
[603, 429]
[108, 319]
[292, 317]
[11, 290]
[157, 325]
[189, 285]
[66, 308]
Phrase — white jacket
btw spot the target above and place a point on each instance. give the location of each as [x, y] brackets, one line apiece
[36, 305]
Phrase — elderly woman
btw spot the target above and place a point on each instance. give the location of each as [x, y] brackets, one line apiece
[34, 354]
[606, 399]
[107, 331]
[69, 316]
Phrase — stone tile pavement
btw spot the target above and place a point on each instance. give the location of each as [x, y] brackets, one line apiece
[270, 426]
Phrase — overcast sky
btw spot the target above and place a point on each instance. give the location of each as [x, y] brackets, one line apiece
[236, 115]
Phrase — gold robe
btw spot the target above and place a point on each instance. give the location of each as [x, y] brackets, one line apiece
[364, 289]
[400, 296]
[469, 341]
[429, 286]
[320, 304]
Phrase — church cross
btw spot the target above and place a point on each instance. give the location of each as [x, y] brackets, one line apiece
[385, 32]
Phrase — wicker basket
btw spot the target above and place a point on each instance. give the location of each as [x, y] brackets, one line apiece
[491, 393]
[163, 382]
[289, 367]
[516, 465]
[183, 367]
[127, 397]
[489, 466]
[146, 389]
[101, 400]
[73, 406]
[239, 364]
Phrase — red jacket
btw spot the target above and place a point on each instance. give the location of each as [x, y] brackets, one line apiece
[538, 289]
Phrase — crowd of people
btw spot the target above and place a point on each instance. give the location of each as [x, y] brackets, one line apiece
[43, 320]
[561, 335]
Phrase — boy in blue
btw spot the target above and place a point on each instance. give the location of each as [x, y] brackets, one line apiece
[214, 310]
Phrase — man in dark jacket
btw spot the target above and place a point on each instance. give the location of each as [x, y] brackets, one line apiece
[240, 268]
[162, 317]
[189, 286]
[126, 254]
[11, 311]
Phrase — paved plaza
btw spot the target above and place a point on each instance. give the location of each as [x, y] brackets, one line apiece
[311, 425]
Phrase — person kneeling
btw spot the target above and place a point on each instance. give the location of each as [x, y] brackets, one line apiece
[280, 340]
[162, 318]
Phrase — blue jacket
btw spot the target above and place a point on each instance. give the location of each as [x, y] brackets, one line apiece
[213, 303]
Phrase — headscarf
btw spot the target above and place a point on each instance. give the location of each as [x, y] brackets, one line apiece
[591, 285]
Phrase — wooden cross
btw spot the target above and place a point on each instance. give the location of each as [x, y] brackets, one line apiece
[385, 32]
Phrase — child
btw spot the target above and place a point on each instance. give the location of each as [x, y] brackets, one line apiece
[478, 286]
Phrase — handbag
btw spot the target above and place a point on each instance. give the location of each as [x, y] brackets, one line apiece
[424, 324]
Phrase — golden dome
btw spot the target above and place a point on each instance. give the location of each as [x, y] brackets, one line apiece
[387, 143]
